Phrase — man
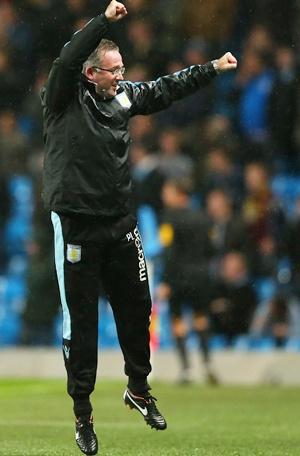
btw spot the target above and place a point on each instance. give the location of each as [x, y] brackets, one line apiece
[186, 283]
[234, 299]
[87, 106]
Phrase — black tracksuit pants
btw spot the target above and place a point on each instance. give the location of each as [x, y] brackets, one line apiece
[90, 251]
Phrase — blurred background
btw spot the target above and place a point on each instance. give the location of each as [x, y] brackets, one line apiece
[216, 177]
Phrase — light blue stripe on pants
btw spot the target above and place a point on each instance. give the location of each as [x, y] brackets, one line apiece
[59, 264]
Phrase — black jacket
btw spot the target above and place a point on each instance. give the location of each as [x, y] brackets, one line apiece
[187, 251]
[87, 139]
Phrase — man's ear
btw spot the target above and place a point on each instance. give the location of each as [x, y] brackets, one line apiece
[89, 73]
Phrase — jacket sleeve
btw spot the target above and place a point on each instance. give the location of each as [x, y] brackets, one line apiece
[67, 68]
[153, 96]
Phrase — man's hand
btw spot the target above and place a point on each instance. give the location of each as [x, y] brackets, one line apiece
[225, 63]
[115, 11]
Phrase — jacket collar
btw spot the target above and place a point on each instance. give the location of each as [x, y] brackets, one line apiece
[91, 87]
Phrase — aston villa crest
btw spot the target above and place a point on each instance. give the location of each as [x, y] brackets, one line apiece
[73, 253]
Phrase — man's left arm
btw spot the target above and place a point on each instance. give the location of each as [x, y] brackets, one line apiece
[153, 96]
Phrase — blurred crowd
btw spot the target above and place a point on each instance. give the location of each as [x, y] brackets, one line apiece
[216, 178]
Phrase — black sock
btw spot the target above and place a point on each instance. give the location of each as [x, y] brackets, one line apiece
[138, 387]
[203, 337]
[182, 351]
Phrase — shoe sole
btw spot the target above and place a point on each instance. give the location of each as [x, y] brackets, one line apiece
[89, 453]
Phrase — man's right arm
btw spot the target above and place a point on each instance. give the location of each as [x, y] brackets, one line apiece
[153, 96]
[67, 68]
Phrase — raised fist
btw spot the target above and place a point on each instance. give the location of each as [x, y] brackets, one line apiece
[115, 11]
[226, 62]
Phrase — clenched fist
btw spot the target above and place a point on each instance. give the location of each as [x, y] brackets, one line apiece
[115, 11]
[226, 62]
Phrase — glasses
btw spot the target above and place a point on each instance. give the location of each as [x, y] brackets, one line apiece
[115, 72]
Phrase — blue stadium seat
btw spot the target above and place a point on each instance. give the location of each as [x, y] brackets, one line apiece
[262, 344]
[148, 227]
[217, 342]
[58, 330]
[265, 288]
[293, 344]
[164, 330]
[241, 343]
[19, 224]
[287, 189]
[10, 325]
[12, 298]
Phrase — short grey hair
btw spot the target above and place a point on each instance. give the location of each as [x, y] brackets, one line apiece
[96, 56]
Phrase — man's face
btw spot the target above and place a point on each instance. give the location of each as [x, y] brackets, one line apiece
[106, 75]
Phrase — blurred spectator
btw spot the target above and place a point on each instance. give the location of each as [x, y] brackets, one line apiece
[220, 172]
[14, 148]
[137, 72]
[19, 36]
[195, 107]
[259, 37]
[210, 19]
[234, 300]
[267, 257]
[31, 111]
[218, 130]
[42, 302]
[283, 99]
[142, 46]
[60, 19]
[10, 82]
[278, 17]
[142, 130]
[185, 277]
[226, 230]
[140, 7]
[261, 211]
[273, 320]
[162, 10]
[168, 26]
[292, 247]
[147, 179]
[173, 163]
[214, 131]
[255, 79]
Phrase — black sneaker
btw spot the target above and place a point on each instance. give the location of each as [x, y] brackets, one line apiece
[85, 435]
[146, 406]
